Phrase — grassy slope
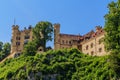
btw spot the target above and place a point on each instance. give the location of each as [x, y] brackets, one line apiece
[67, 64]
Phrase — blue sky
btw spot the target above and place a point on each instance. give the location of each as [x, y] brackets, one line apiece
[75, 16]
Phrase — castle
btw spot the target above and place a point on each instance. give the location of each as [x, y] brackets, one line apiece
[90, 43]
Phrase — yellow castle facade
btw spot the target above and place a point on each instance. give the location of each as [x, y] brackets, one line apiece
[90, 43]
[19, 39]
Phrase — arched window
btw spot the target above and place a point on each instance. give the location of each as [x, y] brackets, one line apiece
[91, 45]
[66, 42]
[92, 52]
[87, 47]
[70, 42]
[100, 49]
[99, 41]
[62, 41]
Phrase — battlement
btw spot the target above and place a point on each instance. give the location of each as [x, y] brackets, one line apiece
[15, 27]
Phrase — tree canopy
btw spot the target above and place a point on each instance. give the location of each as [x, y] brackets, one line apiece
[4, 50]
[1, 45]
[112, 27]
[43, 33]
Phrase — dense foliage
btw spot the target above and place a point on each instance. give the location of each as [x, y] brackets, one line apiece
[4, 50]
[59, 65]
[30, 49]
[112, 37]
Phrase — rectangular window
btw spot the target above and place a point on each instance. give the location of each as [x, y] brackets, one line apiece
[27, 37]
[87, 47]
[69, 42]
[99, 42]
[92, 52]
[91, 45]
[100, 49]
[58, 40]
[17, 43]
[17, 38]
[66, 42]
[62, 41]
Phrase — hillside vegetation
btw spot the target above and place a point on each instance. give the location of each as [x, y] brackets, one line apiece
[58, 65]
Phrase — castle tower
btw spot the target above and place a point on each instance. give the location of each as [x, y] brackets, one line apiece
[19, 39]
[56, 36]
[15, 32]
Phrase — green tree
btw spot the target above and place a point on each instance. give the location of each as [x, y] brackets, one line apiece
[1, 45]
[112, 36]
[112, 27]
[6, 48]
[30, 49]
[43, 33]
